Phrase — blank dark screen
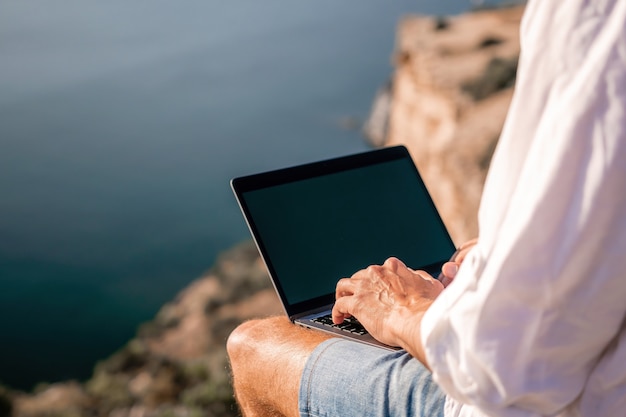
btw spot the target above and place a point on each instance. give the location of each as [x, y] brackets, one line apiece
[319, 230]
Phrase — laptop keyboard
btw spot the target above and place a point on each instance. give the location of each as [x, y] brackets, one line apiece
[350, 325]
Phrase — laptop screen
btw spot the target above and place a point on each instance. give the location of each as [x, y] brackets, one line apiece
[316, 229]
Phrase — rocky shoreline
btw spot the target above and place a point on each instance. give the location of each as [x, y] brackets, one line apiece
[177, 364]
[446, 102]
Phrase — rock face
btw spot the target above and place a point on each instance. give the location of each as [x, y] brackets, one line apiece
[449, 95]
[177, 364]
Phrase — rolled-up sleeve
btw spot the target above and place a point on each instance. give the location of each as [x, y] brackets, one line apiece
[540, 301]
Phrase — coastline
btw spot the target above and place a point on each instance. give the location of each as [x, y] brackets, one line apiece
[176, 364]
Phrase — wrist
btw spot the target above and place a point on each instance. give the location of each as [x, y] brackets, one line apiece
[409, 332]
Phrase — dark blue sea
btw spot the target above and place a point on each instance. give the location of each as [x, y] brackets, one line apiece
[121, 123]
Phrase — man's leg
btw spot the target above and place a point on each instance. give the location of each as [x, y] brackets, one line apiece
[267, 359]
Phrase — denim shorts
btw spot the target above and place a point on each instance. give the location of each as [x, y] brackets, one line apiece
[344, 378]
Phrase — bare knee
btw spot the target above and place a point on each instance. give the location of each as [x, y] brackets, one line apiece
[238, 339]
[251, 345]
[238, 345]
[249, 337]
[271, 336]
[254, 371]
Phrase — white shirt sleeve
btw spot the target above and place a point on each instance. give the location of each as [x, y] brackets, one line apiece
[540, 302]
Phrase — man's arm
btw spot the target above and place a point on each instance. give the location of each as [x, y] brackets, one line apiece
[532, 324]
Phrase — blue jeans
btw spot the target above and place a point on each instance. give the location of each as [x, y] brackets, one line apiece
[344, 378]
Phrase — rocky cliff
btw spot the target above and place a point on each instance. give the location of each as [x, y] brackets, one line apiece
[176, 365]
[446, 102]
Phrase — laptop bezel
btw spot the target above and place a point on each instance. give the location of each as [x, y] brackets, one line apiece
[244, 184]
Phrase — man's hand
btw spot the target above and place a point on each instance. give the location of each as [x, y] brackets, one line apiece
[450, 268]
[389, 301]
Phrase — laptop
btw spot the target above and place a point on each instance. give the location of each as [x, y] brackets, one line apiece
[319, 222]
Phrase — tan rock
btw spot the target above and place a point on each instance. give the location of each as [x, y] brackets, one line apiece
[451, 91]
[67, 398]
[189, 338]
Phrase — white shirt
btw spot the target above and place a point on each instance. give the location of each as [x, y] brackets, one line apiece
[534, 323]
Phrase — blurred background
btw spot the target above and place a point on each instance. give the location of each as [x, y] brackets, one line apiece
[121, 124]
